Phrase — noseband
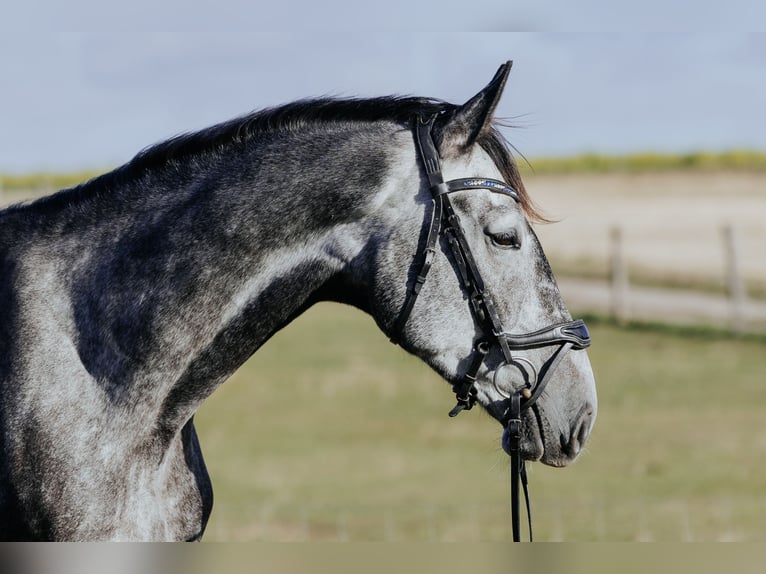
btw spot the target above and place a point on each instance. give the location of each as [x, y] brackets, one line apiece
[567, 335]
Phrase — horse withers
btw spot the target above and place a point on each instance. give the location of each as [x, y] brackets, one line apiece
[126, 301]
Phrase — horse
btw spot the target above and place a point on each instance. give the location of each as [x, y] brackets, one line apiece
[127, 300]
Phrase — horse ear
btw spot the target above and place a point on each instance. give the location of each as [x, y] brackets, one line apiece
[474, 118]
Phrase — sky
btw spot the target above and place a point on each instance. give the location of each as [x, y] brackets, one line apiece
[77, 94]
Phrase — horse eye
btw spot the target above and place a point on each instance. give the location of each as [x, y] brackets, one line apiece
[506, 240]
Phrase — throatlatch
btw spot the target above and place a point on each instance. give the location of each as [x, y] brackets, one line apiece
[568, 335]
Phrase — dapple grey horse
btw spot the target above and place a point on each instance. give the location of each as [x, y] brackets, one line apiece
[127, 300]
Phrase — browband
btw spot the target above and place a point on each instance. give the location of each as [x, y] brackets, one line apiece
[479, 183]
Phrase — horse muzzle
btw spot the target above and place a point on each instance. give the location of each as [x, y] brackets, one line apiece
[557, 448]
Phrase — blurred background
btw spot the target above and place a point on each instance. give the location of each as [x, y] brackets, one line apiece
[649, 151]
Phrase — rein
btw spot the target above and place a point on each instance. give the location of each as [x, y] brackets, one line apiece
[568, 335]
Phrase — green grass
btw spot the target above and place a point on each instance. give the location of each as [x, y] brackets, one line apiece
[330, 433]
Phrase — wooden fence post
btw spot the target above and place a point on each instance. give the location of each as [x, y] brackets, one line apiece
[735, 286]
[619, 276]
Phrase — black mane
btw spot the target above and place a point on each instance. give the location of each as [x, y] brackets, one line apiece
[290, 117]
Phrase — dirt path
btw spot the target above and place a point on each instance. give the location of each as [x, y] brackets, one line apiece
[671, 222]
[663, 305]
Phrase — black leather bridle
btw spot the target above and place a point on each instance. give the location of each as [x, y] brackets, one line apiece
[568, 335]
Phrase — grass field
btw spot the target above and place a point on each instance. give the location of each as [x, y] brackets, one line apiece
[331, 433]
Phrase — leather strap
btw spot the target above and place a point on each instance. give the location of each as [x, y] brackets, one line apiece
[514, 444]
[426, 259]
[518, 470]
[430, 157]
[482, 305]
[465, 390]
[545, 374]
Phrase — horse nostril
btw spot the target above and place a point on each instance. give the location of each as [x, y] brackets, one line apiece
[572, 445]
[582, 434]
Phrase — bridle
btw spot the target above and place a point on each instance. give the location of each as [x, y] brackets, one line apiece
[568, 335]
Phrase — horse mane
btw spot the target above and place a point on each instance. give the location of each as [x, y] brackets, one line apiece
[285, 118]
[214, 140]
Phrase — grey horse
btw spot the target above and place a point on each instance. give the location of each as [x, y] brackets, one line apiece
[127, 300]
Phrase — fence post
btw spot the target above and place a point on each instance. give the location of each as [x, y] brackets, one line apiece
[735, 286]
[619, 276]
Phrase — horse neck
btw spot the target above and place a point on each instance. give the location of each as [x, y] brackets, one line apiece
[177, 281]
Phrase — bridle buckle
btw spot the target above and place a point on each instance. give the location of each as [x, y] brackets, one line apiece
[514, 432]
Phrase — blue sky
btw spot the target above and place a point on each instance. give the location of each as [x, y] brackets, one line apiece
[80, 100]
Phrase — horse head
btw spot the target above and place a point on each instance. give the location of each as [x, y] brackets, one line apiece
[489, 318]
